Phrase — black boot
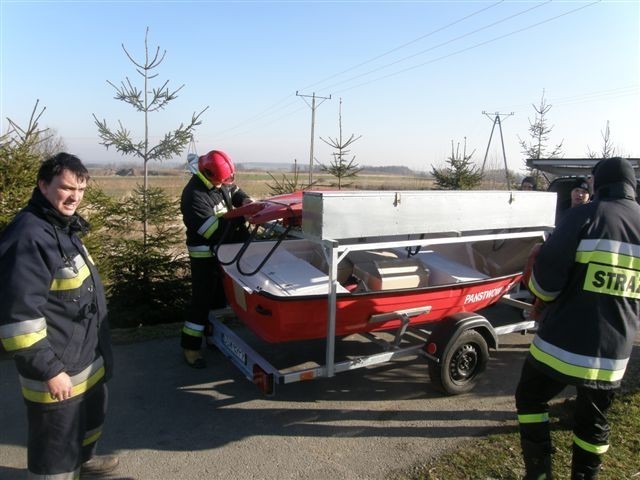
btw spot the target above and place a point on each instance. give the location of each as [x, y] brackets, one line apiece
[537, 460]
[584, 465]
[583, 472]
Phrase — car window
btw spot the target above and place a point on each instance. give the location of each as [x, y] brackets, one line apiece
[563, 187]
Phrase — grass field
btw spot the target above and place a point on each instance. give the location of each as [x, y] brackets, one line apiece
[256, 183]
[498, 457]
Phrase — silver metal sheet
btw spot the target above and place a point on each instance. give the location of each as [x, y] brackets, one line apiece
[345, 215]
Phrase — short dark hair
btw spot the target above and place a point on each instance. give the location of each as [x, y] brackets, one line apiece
[54, 166]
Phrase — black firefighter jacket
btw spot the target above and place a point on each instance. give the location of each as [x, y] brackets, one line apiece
[203, 206]
[53, 314]
[589, 272]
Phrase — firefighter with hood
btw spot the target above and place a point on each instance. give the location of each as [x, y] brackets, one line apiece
[588, 275]
[209, 194]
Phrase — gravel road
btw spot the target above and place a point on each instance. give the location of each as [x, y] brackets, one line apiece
[167, 421]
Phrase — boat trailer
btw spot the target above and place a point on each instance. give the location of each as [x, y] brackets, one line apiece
[342, 223]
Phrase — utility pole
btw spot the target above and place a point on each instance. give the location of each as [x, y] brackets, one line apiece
[313, 123]
[496, 121]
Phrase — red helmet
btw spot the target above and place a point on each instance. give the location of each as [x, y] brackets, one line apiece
[217, 167]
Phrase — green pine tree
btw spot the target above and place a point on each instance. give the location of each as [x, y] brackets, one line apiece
[460, 174]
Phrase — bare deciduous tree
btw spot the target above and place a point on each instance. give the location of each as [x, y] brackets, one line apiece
[608, 150]
[50, 144]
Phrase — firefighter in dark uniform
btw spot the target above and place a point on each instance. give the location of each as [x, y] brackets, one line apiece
[209, 194]
[588, 275]
[53, 320]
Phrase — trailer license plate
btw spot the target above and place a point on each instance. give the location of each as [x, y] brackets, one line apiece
[234, 349]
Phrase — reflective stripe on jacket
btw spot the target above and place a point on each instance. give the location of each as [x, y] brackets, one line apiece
[38, 391]
[589, 273]
[203, 206]
[53, 314]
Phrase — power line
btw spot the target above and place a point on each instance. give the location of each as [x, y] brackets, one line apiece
[477, 45]
[442, 57]
[422, 52]
[399, 47]
[421, 37]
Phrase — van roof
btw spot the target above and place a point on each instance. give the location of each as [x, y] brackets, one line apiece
[571, 166]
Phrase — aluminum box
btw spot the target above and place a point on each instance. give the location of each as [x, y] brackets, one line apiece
[354, 214]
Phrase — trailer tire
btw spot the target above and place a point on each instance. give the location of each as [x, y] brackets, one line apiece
[461, 365]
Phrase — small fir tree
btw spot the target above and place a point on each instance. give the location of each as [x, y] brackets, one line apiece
[147, 100]
[340, 167]
[147, 271]
[537, 146]
[20, 158]
[147, 283]
[288, 184]
[460, 174]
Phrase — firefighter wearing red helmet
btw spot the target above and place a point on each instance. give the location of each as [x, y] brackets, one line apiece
[209, 194]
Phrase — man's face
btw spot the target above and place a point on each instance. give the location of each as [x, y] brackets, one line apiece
[579, 197]
[65, 192]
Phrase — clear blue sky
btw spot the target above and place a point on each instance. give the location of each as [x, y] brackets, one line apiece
[412, 76]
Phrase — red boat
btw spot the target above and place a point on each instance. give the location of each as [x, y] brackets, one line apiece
[363, 262]
[287, 299]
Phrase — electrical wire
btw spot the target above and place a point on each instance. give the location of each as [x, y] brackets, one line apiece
[276, 107]
[472, 47]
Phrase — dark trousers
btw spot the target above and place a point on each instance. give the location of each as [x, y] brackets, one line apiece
[64, 435]
[207, 293]
[591, 428]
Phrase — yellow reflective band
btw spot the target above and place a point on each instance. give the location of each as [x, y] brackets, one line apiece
[608, 258]
[208, 227]
[590, 447]
[191, 332]
[79, 389]
[534, 418]
[199, 251]
[92, 436]
[608, 245]
[200, 254]
[23, 341]
[575, 371]
[539, 292]
[71, 283]
[616, 281]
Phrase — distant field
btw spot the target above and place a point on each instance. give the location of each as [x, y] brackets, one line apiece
[117, 187]
[257, 183]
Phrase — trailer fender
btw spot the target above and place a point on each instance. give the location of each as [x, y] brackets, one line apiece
[450, 328]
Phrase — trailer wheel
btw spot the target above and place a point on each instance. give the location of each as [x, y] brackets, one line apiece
[464, 360]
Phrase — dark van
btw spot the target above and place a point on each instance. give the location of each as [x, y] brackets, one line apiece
[561, 173]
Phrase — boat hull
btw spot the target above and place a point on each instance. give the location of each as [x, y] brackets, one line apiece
[285, 319]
